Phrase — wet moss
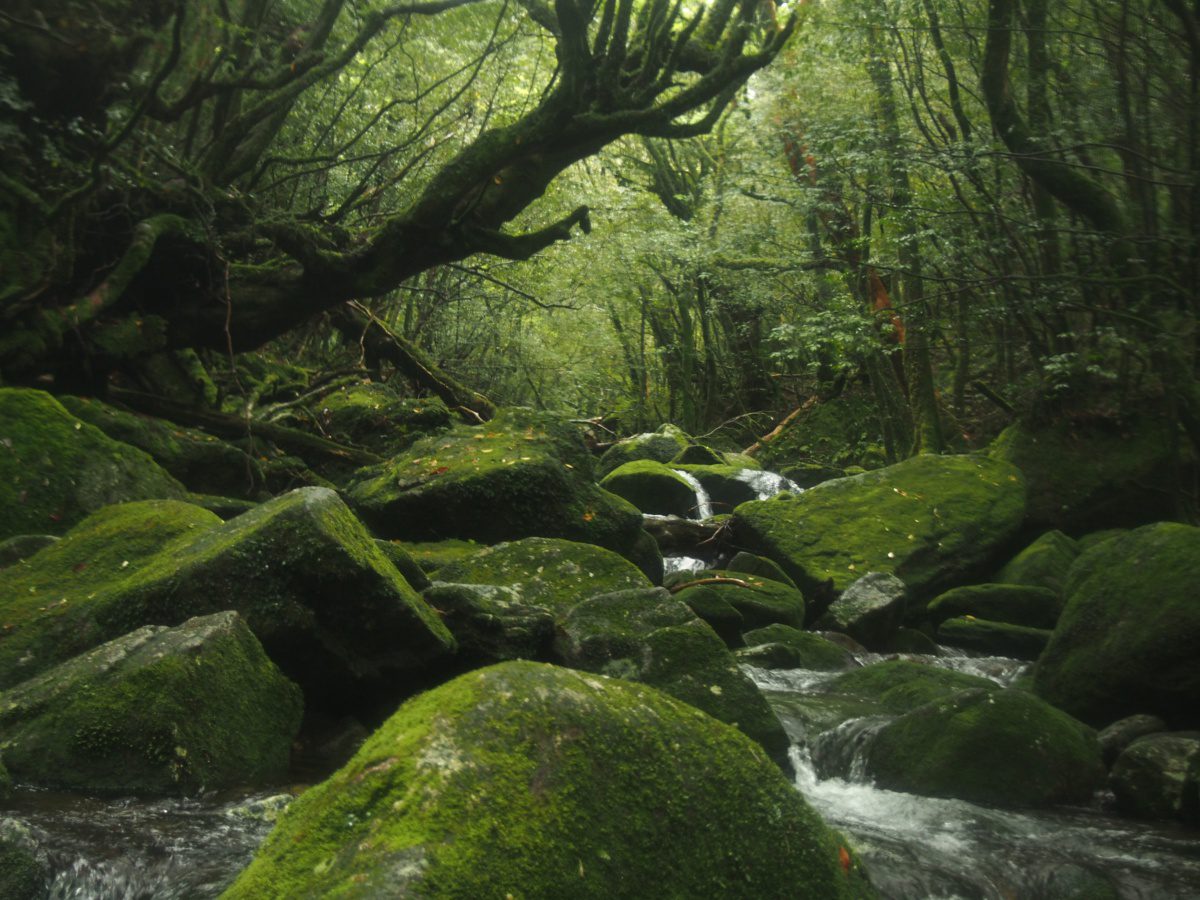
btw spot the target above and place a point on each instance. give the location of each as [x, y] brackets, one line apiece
[1016, 604]
[548, 572]
[930, 520]
[374, 417]
[759, 601]
[657, 446]
[652, 487]
[1044, 563]
[900, 686]
[158, 711]
[994, 638]
[999, 747]
[56, 469]
[532, 781]
[803, 649]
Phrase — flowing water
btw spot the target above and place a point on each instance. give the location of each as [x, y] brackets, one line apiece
[920, 848]
[126, 849]
[703, 508]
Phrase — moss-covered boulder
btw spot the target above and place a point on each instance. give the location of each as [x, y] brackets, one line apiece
[1158, 777]
[523, 474]
[933, 521]
[870, 610]
[652, 487]
[373, 416]
[1044, 563]
[56, 469]
[405, 563]
[327, 605]
[547, 572]
[648, 636]
[1085, 475]
[1123, 732]
[203, 463]
[1017, 604]
[751, 564]
[533, 781]
[900, 686]
[492, 623]
[785, 647]
[160, 710]
[433, 555]
[758, 601]
[999, 747]
[660, 446]
[1126, 640]
[994, 638]
[24, 866]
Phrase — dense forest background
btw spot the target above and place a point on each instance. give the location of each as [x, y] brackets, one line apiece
[937, 215]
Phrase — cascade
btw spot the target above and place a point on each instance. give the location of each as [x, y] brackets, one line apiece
[703, 503]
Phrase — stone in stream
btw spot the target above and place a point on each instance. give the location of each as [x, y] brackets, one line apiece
[24, 866]
[757, 601]
[1126, 641]
[523, 474]
[760, 566]
[1120, 734]
[1016, 604]
[648, 636]
[870, 610]
[993, 638]
[535, 781]
[1044, 563]
[660, 446]
[998, 747]
[785, 647]
[492, 623]
[311, 583]
[160, 710]
[653, 488]
[933, 521]
[56, 469]
[1158, 777]
[900, 686]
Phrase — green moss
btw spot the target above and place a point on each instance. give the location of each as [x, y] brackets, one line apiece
[433, 555]
[55, 469]
[760, 566]
[930, 520]
[999, 747]
[721, 482]
[715, 609]
[200, 461]
[652, 487]
[548, 572]
[24, 871]
[531, 781]
[759, 601]
[699, 455]
[657, 446]
[522, 475]
[1035, 607]
[405, 564]
[1044, 563]
[1126, 641]
[311, 583]
[372, 416]
[805, 650]
[994, 638]
[158, 711]
[900, 685]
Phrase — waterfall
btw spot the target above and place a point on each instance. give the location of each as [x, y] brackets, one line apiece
[703, 503]
[767, 484]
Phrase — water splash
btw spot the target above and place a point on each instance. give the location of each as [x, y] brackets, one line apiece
[767, 484]
[673, 565]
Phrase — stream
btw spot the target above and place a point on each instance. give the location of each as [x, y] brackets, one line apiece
[923, 848]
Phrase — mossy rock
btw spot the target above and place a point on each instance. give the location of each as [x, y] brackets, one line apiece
[785, 647]
[716, 610]
[1123, 732]
[728, 486]
[24, 868]
[56, 469]
[1158, 777]
[808, 475]
[1044, 563]
[658, 446]
[911, 641]
[751, 564]
[900, 686]
[648, 636]
[201, 462]
[330, 609]
[699, 455]
[160, 710]
[523, 474]
[870, 610]
[374, 417]
[534, 781]
[433, 555]
[759, 601]
[998, 747]
[492, 623]
[1016, 604]
[933, 521]
[548, 572]
[23, 546]
[1095, 474]
[993, 638]
[1126, 641]
[405, 563]
[652, 487]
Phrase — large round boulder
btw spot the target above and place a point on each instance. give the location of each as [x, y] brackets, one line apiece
[932, 521]
[533, 781]
[1126, 641]
[653, 488]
